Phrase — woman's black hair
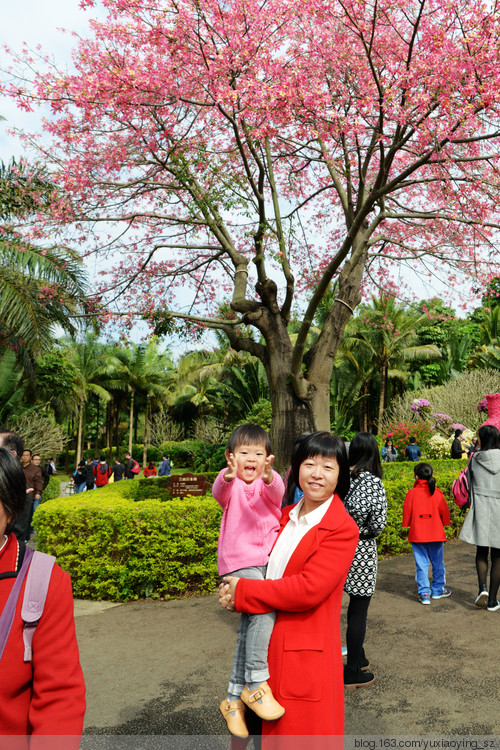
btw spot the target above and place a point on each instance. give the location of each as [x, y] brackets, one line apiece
[489, 437]
[458, 432]
[328, 446]
[290, 485]
[248, 434]
[12, 486]
[424, 471]
[364, 455]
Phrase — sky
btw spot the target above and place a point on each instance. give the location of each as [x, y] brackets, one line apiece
[36, 22]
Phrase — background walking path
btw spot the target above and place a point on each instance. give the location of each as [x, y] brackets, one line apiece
[162, 667]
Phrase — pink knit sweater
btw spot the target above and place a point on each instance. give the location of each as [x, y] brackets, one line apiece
[250, 521]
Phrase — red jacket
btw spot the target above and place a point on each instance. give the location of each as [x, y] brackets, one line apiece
[45, 696]
[305, 660]
[102, 477]
[150, 472]
[425, 514]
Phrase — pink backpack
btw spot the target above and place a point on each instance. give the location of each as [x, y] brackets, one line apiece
[38, 567]
[461, 488]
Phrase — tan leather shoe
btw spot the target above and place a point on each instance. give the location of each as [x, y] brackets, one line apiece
[262, 702]
[234, 714]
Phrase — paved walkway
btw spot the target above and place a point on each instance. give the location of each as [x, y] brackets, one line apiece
[161, 668]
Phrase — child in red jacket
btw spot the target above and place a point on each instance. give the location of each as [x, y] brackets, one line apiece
[426, 512]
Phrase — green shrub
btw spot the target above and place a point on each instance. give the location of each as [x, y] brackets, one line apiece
[149, 488]
[52, 490]
[117, 550]
[209, 458]
[183, 453]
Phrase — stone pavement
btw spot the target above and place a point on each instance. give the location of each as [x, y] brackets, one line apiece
[161, 668]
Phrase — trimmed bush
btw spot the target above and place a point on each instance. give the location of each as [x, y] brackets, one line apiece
[118, 550]
[209, 458]
[183, 453]
[52, 490]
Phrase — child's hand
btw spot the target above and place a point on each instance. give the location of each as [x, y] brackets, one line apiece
[267, 473]
[231, 468]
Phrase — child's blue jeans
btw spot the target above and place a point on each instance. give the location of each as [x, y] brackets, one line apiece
[425, 553]
[250, 656]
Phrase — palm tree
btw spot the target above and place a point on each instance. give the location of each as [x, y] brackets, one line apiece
[195, 390]
[39, 287]
[384, 334]
[87, 357]
[147, 373]
[487, 356]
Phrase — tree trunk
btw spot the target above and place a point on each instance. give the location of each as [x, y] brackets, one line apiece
[131, 422]
[97, 419]
[291, 417]
[381, 401]
[146, 433]
[79, 436]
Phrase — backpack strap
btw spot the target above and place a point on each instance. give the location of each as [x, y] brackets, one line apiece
[35, 594]
[10, 607]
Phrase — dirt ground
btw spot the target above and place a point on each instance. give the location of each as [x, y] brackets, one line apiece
[161, 668]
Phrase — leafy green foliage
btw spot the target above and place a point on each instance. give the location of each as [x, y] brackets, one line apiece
[261, 413]
[52, 490]
[119, 550]
[209, 458]
[183, 453]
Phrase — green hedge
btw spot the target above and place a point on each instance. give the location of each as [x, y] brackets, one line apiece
[52, 490]
[119, 549]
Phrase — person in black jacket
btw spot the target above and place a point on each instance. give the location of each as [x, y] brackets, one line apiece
[89, 468]
[80, 477]
[456, 447]
[118, 470]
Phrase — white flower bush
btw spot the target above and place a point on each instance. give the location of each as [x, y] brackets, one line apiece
[440, 446]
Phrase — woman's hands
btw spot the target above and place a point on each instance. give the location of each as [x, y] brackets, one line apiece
[227, 591]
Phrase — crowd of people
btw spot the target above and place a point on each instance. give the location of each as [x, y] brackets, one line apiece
[96, 472]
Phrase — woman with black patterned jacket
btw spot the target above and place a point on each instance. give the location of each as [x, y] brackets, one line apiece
[367, 504]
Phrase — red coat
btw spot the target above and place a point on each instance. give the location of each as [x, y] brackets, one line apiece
[305, 660]
[45, 696]
[150, 472]
[425, 514]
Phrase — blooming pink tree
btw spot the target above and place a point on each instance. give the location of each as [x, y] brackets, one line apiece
[255, 153]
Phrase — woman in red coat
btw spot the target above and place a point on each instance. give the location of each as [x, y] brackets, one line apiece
[45, 697]
[305, 578]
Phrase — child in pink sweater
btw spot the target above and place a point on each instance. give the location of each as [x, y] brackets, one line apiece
[250, 494]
